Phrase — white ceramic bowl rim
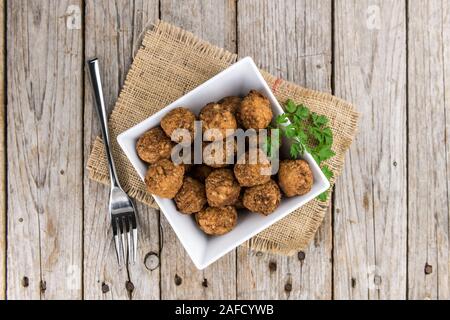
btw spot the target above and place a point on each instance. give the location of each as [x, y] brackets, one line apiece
[237, 80]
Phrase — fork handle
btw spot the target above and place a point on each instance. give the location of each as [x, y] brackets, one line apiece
[94, 72]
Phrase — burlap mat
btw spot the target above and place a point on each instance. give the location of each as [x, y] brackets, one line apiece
[172, 62]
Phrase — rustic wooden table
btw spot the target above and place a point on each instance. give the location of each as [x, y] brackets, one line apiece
[387, 233]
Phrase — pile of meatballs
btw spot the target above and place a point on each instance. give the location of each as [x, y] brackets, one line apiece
[214, 192]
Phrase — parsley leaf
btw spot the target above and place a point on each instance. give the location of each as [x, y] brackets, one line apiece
[302, 112]
[295, 150]
[290, 131]
[322, 121]
[290, 106]
[282, 119]
[325, 153]
[323, 196]
[307, 131]
[327, 172]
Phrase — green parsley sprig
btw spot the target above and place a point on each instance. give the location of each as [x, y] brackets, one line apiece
[307, 131]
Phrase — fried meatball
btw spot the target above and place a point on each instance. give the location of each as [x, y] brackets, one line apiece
[231, 104]
[262, 199]
[186, 158]
[222, 189]
[201, 172]
[178, 118]
[192, 197]
[255, 111]
[252, 172]
[215, 117]
[217, 221]
[154, 145]
[219, 154]
[295, 177]
[164, 178]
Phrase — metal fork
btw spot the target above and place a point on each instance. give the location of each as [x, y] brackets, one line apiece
[121, 208]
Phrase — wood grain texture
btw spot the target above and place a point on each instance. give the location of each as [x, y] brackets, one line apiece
[385, 244]
[370, 221]
[292, 40]
[180, 279]
[428, 152]
[113, 30]
[45, 151]
[2, 155]
[213, 21]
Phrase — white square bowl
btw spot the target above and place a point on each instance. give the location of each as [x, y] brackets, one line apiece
[237, 80]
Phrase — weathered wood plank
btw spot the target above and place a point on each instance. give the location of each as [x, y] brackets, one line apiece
[213, 21]
[112, 32]
[44, 52]
[2, 156]
[291, 39]
[429, 149]
[370, 221]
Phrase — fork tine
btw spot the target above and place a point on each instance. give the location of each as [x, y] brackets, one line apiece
[118, 253]
[127, 230]
[134, 234]
[134, 245]
[129, 245]
[116, 241]
[122, 235]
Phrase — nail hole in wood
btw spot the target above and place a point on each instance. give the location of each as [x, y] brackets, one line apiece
[25, 282]
[205, 283]
[259, 254]
[395, 163]
[178, 280]
[288, 287]
[428, 269]
[129, 286]
[43, 286]
[61, 172]
[105, 288]
[353, 282]
[20, 220]
[151, 261]
[272, 266]
[301, 256]
[377, 280]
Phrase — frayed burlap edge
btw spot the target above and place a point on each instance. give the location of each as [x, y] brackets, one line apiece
[161, 29]
[292, 233]
[97, 157]
[264, 241]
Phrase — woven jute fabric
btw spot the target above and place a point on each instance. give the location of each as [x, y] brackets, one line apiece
[172, 62]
